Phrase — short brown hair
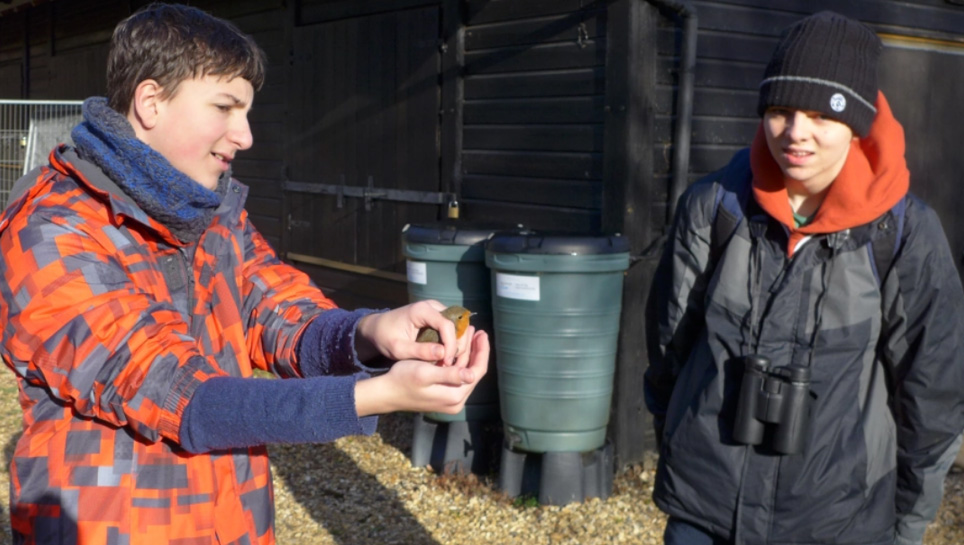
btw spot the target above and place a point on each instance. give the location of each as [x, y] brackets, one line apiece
[170, 43]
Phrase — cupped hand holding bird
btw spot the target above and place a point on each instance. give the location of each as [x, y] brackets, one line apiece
[419, 386]
[413, 383]
[445, 333]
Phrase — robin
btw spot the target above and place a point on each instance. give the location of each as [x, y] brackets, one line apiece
[457, 315]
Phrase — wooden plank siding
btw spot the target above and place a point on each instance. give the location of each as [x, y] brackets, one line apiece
[261, 168]
[494, 11]
[13, 28]
[628, 182]
[322, 11]
[365, 115]
[534, 80]
[376, 90]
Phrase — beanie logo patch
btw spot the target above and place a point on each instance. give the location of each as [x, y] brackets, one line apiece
[838, 102]
[817, 81]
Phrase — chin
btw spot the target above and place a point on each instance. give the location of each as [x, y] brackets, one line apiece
[207, 184]
[797, 174]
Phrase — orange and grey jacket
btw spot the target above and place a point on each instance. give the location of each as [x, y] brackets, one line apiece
[111, 324]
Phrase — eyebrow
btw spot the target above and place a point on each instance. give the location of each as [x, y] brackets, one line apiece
[237, 101]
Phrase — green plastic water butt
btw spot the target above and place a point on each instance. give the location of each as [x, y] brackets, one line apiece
[556, 301]
[446, 262]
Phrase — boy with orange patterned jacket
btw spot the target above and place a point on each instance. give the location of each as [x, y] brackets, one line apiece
[138, 298]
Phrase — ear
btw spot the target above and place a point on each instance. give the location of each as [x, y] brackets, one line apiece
[145, 106]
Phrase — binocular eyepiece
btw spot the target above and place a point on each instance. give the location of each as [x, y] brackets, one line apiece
[775, 399]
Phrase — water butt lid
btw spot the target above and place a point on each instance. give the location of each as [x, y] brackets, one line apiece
[555, 243]
[454, 232]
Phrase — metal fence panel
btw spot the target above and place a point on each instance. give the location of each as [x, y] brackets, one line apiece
[29, 129]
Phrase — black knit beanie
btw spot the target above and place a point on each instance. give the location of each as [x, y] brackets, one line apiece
[825, 63]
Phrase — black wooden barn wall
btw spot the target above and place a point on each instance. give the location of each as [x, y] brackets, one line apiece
[364, 95]
[558, 114]
[500, 103]
[534, 81]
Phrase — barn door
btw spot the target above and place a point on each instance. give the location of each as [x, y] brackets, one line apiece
[363, 158]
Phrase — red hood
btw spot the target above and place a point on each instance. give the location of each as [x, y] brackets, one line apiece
[873, 179]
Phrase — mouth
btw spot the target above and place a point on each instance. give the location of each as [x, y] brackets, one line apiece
[225, 160]
[796, 156]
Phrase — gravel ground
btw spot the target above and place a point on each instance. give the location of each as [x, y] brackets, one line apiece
[364, 490]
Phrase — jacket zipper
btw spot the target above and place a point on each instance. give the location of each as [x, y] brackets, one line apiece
[186, 254]
[757, 317]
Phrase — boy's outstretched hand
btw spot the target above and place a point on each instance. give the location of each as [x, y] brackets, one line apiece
[419, 386]
[394, 334]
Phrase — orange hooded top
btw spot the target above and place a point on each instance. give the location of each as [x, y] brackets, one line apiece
[873, 179]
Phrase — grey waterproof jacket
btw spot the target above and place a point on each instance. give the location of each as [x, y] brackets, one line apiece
[887, 387]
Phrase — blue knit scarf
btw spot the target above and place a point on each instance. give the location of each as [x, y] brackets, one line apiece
[183, 205]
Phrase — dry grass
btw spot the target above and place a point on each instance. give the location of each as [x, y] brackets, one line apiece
[363, 490]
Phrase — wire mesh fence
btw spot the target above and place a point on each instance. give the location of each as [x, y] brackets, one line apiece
[29, 129]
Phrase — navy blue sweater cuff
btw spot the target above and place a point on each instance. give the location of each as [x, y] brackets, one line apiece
[327, 347]
[232, 412]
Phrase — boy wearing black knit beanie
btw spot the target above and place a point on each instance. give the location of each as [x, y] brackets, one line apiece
[805, 321]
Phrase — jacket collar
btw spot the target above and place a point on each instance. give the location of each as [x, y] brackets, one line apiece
[68, 162]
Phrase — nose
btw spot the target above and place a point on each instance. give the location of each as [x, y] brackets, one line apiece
[239, 133]
[798, 125]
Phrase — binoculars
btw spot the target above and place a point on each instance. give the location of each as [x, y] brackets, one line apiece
[774, 400]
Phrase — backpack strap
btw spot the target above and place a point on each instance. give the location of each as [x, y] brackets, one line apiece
[730, 201]
[884, 246]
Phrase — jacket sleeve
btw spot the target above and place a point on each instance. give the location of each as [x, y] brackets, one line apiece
[278, 304]
[75, 324]
[922, 341]
[675, 307]
[233, 412]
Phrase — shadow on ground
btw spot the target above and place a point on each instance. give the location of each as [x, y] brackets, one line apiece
[350, 504]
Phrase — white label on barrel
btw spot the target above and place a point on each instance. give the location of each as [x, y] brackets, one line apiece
[513, 286]
[417, 273]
